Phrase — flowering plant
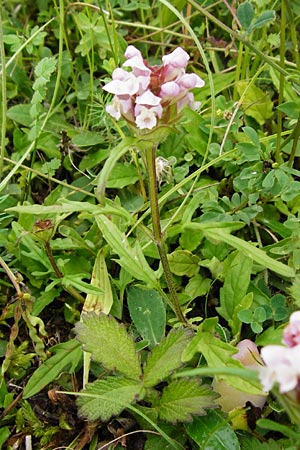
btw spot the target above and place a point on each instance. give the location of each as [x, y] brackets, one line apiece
[148, 96]
[282, 362]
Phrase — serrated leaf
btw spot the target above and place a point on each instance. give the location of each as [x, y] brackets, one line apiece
[166, 356]
[212, 432]
[183, 398]
[109, 344]
[108, 397]
[148, 312]
[132, 259]
[183, 262]
[66, 354]
[103, 300]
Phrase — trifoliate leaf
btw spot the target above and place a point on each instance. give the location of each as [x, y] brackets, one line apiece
[108, 397]
[166, 356]
[183, 398]
[109, 344]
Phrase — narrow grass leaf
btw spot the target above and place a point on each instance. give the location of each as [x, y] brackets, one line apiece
[257, 254]
[67, 356]
[132, 258]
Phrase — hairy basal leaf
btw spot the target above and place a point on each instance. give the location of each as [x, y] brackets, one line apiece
[166, 357]
[106, 398]
[109, 344]
[183, 398]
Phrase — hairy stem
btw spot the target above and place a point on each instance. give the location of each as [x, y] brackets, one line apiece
[157, 234]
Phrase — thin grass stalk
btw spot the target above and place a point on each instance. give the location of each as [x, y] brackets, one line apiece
[278, 158]
[3, 96]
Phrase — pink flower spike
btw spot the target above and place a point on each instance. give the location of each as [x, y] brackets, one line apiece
[190, 81]
[148, 99]
[178, 58]
[146, 119]
[291, 333]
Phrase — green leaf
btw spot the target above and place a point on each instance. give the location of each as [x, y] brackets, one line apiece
[212, 432]
[103, 300]
[245, 14]
[183, 398]
[122, 175]
[67, 355]
[80, 285]
[233, 293]
[65, 206]
[108, 397]
[88, 139]
[183, 262]
[257, 254]
[20, 114]
[131, 259]
[148, 312]
[115, 154]
[256, 103]
[109, 344]
[263, 19]
[166, 356]
[219, 354]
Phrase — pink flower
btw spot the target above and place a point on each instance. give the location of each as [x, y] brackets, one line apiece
[146, 118]
[190, 81]
[291, 333]
[146, 95]
[282, 365]
[231, 397]
[169, 89]
[178, 58]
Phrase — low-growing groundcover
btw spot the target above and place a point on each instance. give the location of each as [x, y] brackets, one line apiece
[149, 225]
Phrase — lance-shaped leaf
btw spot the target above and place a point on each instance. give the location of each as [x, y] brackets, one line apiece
[109, 344]
[166, 356]
[217, 232]
[108, 397]
[67, 356]
[131, 259]
[102, 301]
[183, 398]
